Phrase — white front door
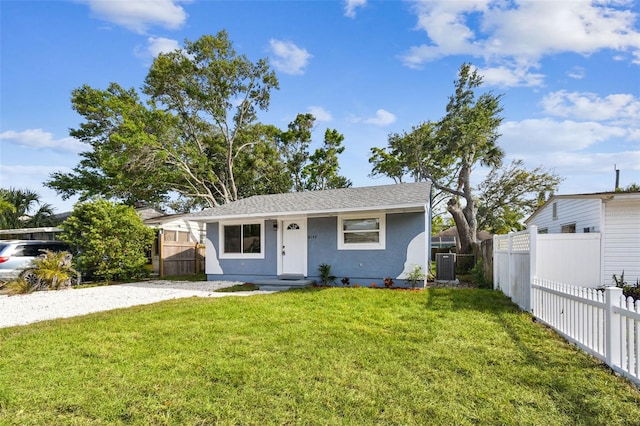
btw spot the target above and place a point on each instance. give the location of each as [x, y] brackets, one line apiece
[294, 247]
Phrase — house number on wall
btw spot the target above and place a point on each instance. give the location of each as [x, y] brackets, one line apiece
[312, 237]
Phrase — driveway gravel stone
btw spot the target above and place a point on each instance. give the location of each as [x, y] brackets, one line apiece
[46, 305]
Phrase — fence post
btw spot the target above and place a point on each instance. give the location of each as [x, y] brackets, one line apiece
[510, 266]
[612, 340]
[495, 263]
[533, 269]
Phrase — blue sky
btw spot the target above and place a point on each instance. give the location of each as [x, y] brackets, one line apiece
[569, 72]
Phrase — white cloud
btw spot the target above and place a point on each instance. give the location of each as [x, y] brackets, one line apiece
[138, 15]
[549, 136]
[616, 108]
[382, 118]
[517, 34]
[158, 45]
[320, 113]
[39, 139]
[350, 7]
[582, 152]
[516, 76]
[577, 73]
[289, 58]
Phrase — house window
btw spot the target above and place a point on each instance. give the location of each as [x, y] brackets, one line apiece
[569, 228]
[555, 211]
[361, 232]
[242, 240]
[543, 230]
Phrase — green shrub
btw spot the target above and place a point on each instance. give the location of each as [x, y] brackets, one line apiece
[415, 276]
[19, 286]
[325, 274]
[109, 240]
[629, 290]
[479, 275]
[49, 271]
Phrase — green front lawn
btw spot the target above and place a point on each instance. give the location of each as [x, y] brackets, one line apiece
[316, 356]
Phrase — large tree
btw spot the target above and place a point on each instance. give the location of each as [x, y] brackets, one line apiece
[199, 124]
[467, 134]
[214, 95]
[447, 151]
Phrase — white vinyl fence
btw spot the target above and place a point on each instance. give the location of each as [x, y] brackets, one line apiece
[554, 276]
[601, 322]
[567, 258]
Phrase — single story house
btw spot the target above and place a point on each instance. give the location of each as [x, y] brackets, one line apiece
[614, 215]
[364, 234]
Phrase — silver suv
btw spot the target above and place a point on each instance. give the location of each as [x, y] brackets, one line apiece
[15, 255]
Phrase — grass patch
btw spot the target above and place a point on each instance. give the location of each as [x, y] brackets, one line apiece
[238, 287]
[313, 356]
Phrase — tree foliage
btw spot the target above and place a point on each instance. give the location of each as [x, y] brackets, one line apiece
[214, 95]
[22, 208]
[125, 161]
[447, 151]
[632, 187]
[294, 145]
[510, 193]
[197, 136]
[109, 240]
[199, 126]
[319, 170]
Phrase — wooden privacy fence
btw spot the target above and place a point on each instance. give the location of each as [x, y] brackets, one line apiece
[178, 255]
[601, 322]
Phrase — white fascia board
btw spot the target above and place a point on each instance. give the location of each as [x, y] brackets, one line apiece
[307, 213]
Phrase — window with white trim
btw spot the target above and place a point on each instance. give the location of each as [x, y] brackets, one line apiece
[361, 232]
[242, 240]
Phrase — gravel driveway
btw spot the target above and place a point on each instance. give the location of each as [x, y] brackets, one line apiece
[46, 305]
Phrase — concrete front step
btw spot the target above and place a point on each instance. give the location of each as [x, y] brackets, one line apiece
[278, 285]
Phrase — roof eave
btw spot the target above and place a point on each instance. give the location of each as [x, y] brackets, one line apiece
[324, 212]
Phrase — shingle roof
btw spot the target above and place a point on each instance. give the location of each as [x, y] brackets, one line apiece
[398, 196]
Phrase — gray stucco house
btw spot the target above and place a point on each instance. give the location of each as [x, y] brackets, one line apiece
[365, 234]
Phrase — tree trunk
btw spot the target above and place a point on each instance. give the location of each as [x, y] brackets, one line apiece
[466, 230]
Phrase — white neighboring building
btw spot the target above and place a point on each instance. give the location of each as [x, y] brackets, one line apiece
[178, 248]
[615, 215]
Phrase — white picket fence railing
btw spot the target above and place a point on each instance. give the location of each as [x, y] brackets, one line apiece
[601, 322]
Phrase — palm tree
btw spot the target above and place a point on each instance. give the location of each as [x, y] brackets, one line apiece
[23, 209]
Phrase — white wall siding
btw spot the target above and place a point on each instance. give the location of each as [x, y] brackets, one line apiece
[584, 213]
[622, 241]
